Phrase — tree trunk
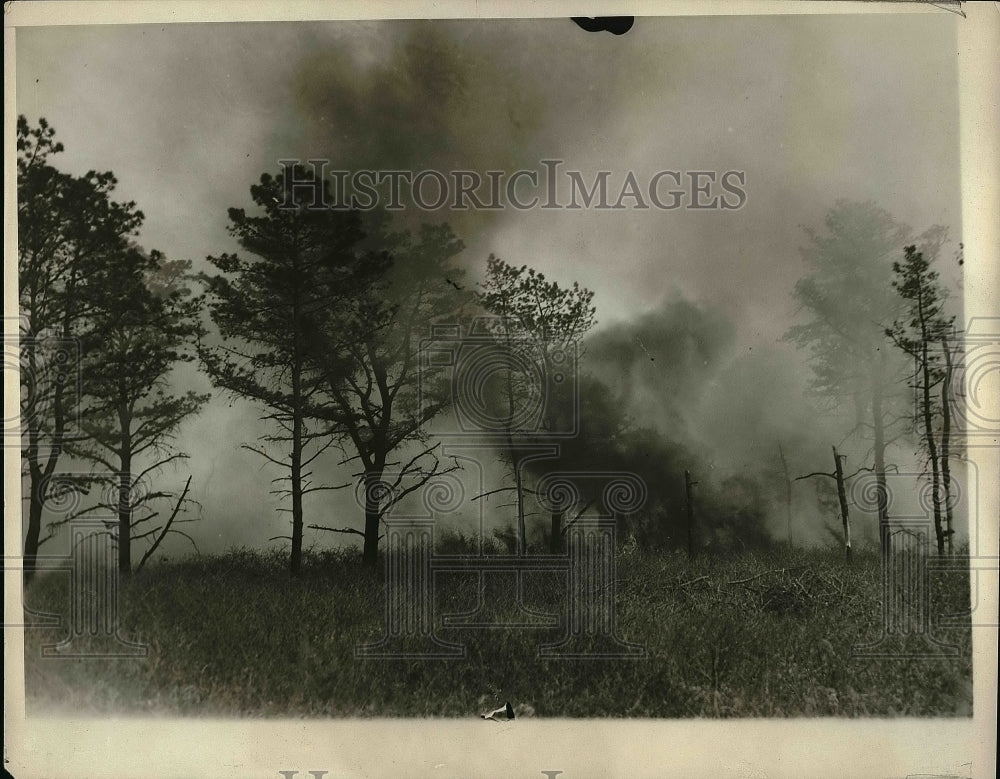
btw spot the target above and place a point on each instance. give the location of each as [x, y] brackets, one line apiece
[295, 559]
[788, 493]
[295, 563]
[946, 444]
[370, 556]
[688, 484]
[124, 496]
[878, 449]
[125, 519]
[932, 452]
[621, 528]
[522, 541]
[555, 538]
[39, 475]
[842, 497]
[36, 481]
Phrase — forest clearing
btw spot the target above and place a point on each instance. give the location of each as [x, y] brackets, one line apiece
[763, 635]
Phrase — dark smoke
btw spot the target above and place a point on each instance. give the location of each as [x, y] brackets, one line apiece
[794, 101]
[700, 404]
[660, 362]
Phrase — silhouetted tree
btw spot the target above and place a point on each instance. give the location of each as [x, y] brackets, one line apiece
[67, 228]
[370, 351]
[951, 349]
[144, 323]
[299, 262]
[919, 335]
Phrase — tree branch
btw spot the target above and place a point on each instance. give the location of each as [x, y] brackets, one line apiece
[350, 530]
[166, 529]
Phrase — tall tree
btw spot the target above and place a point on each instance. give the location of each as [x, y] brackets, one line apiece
[537, 326]
[299, 262]
[847, 297]
[919, 335]
[370, 350]
[950, 349]
[67, 227]
[144, 323]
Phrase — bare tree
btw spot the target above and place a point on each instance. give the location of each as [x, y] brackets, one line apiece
[841, 481]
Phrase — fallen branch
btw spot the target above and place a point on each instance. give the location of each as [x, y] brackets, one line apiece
[494, 492]
[337, 529]
[773, 570]
[693, 581]
[576, 519]
[816, 473]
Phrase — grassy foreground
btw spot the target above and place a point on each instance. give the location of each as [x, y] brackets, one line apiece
[740, 636]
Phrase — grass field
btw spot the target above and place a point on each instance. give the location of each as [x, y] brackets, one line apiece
[753, 635]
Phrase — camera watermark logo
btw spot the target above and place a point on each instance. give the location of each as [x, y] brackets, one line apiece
[975, 384]
[495, 380]
[907, 629]
[409, 623]
[588, 619]
[592, 581]
[92, 612]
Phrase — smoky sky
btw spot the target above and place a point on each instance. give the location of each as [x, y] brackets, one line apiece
[691, 306]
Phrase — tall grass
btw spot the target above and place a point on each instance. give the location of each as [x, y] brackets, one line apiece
[766, 635]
